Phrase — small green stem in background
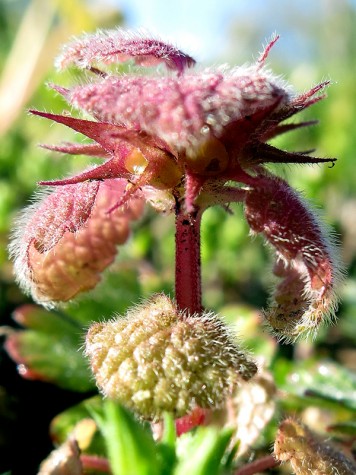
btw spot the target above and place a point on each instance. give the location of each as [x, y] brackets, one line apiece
[188, 265]
[258, 466]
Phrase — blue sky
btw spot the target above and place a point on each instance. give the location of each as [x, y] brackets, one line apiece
[202, 27]
[196, 26]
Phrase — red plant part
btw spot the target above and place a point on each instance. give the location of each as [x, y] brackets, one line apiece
[186, 142]
[115, 46]
[305, 258]
[59, 252]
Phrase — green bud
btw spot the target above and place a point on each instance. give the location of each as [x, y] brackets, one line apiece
[158, 359]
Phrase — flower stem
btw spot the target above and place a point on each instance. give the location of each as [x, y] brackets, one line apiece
[93, 462]
[188, 265]
[258, 466]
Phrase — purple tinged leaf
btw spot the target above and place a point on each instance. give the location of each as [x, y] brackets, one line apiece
[119, 45]
[47, 348]
[306, 262]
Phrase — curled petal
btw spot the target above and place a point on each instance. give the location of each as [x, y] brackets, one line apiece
[67, 210]
[77, 256]
[118, 45]
[306, 259]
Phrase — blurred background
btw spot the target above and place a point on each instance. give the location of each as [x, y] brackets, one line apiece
[318, 42]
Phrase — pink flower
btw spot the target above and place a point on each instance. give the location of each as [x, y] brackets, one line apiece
[193, 137]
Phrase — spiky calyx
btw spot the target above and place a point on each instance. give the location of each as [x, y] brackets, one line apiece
[157, 359]
[307, 453]
[159, 130]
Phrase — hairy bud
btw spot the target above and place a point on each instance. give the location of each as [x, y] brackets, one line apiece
[67, 240]
[158, 359]
[307, 453]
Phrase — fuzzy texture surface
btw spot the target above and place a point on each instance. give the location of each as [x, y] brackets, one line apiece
[157, 359]
[308, 453]
[190, 138]
[306, 258]
[67, 239]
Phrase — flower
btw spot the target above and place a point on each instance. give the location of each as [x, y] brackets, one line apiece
[195, 138]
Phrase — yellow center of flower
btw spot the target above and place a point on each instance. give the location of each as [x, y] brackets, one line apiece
[135, 162]
[162, 172]
[209, 158]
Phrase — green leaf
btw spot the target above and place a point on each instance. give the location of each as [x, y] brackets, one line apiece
[130, 445]
[167, 446]
[344, 428]
[63, 424]
[118, 291]
[324, 382]
[201, 452]
[169, 432]
[49, 350]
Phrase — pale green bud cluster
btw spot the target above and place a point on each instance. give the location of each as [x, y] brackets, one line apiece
[157, 359]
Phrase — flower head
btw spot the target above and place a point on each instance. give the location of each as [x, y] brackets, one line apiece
[198, 126]
[192, 138]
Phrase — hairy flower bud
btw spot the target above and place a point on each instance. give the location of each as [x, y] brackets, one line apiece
[306, 260]
[307, 453]
[67, 240]
[158, 359]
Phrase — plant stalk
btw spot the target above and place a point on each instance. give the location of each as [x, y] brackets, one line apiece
[188, 263]
[258, 466]
[93, 462]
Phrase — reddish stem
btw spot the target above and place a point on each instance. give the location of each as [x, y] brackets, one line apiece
[93, 462]
[258, 465]
[188, 267]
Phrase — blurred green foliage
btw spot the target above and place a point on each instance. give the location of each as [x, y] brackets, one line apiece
[236, 280]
